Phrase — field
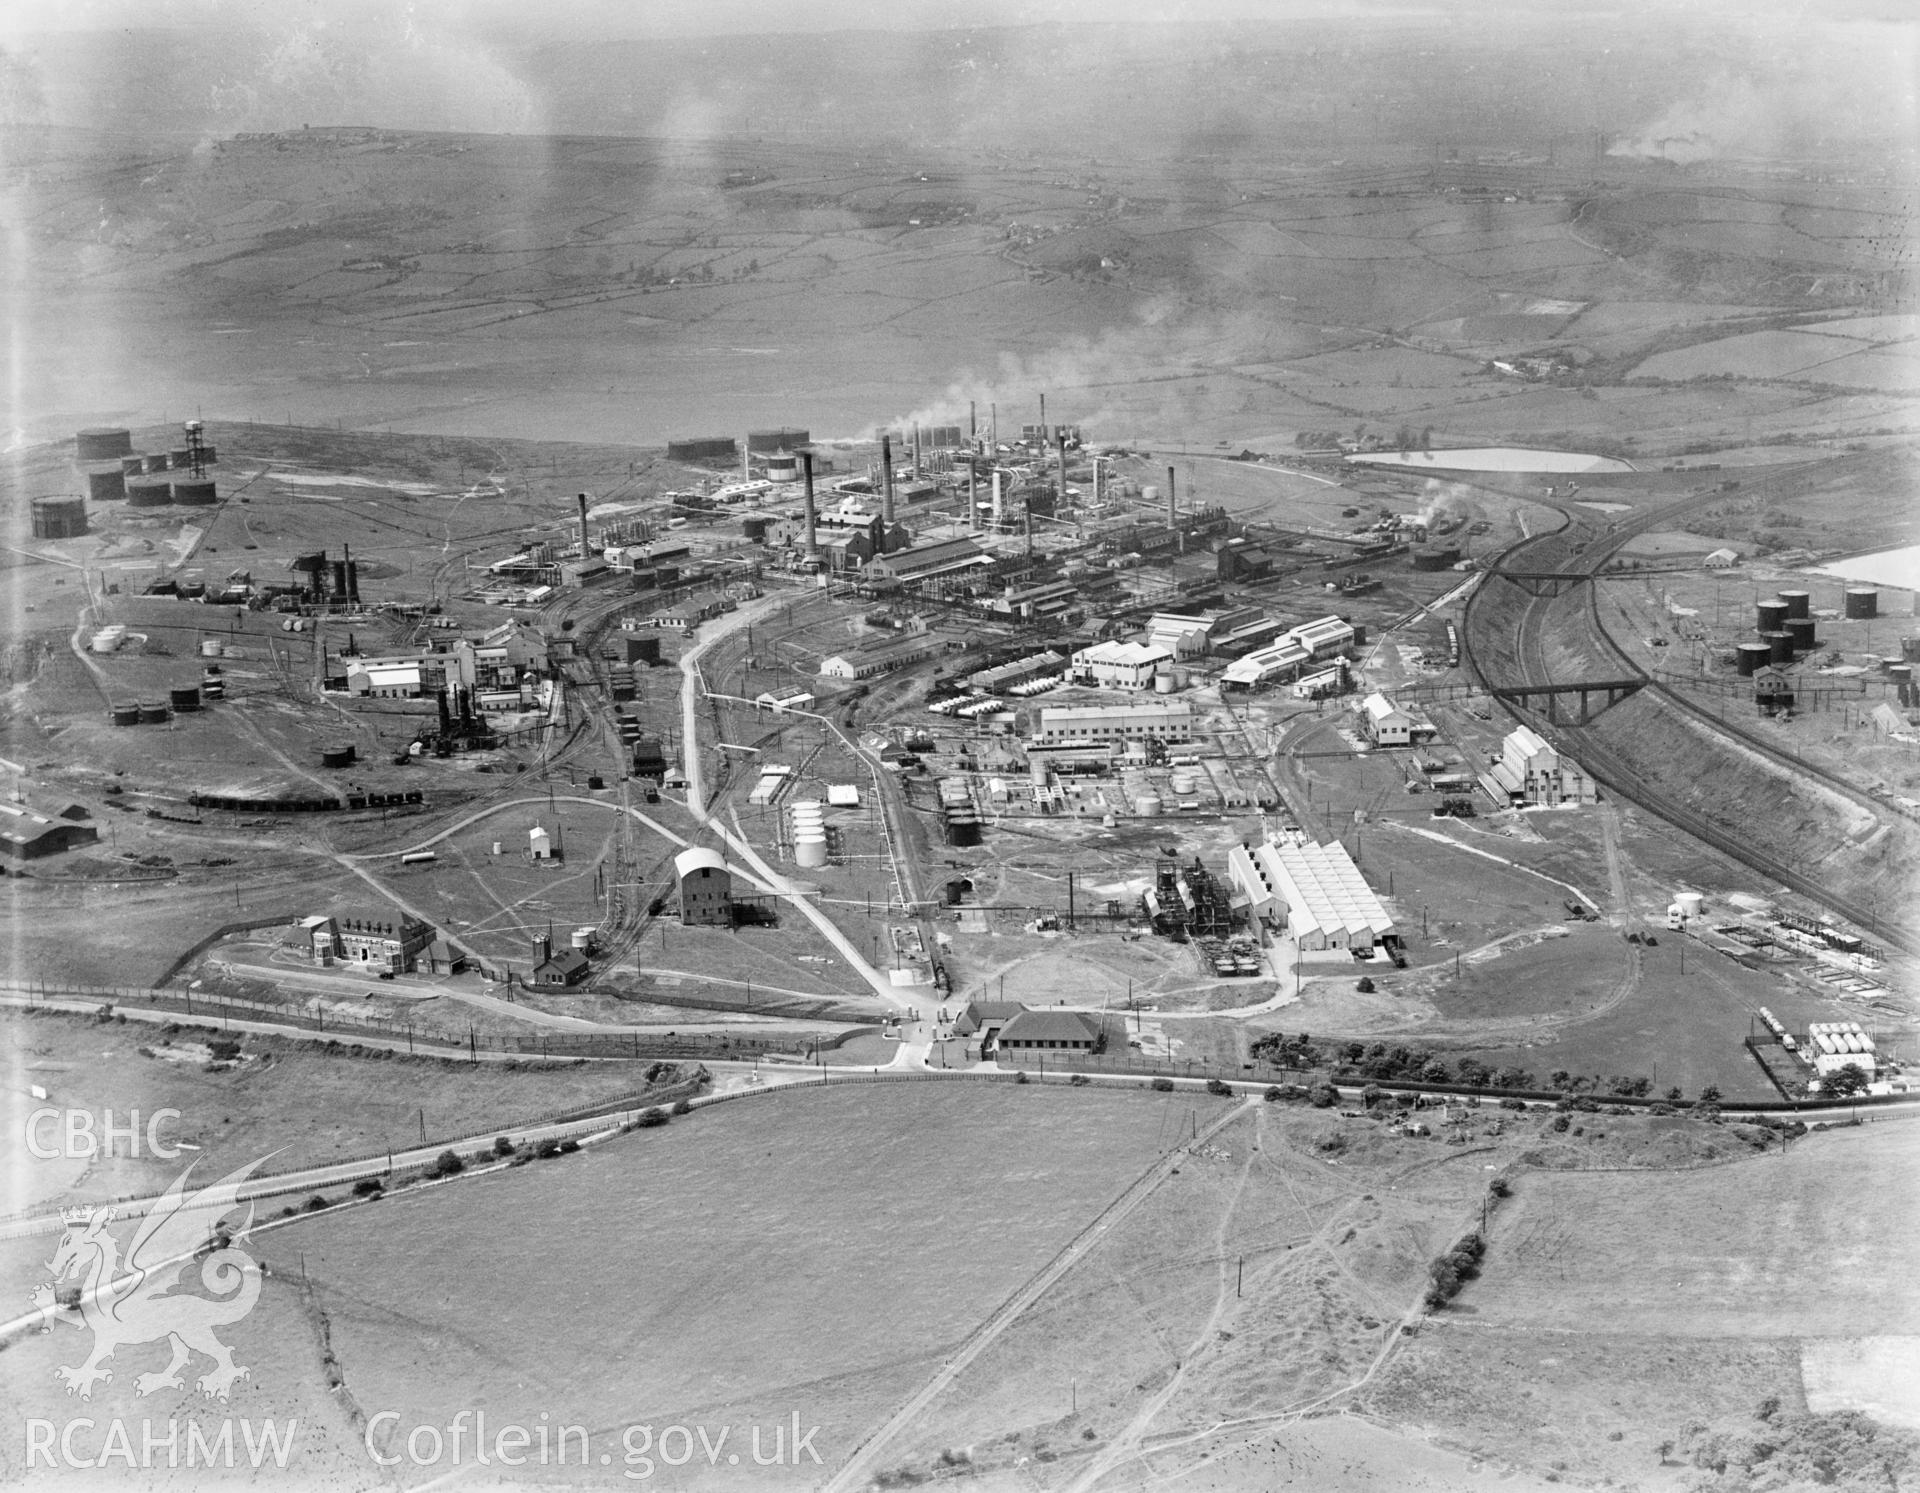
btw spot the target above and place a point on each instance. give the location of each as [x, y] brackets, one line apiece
[301, 1104]
[1569, 1336]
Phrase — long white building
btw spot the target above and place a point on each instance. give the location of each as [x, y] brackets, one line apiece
[1168, 723]
[1314, 892]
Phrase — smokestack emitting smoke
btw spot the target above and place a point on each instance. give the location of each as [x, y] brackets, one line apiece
[584, 551]
[886, 479]
[1173, 509]
[993, 423]
[813, 541]
[916, 453]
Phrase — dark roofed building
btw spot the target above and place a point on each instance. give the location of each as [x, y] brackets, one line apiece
[556, 970]
[26, 836]
[1052, 1031]
[985, 1019]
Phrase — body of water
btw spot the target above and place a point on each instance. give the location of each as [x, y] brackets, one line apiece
[1493, 459]
[1899, 567]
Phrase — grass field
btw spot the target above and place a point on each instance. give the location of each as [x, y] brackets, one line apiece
[703, 1261]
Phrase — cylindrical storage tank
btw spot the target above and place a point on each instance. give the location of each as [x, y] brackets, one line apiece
[1749, 656]
[1150, 495]
[1779, 648]
[1799, 603]
[149, 492]
[1180, 676]
[155, 461]
[212, 648]
[132, 466]
[102, 443]
[105, 484]
[197, 490]
[1182, 783]
[336, 756]
[1163, 684]
[1037, 773]
[214, 688]
[1861, 603]
[1691, 903]
[179, 459]
[59, 518]
[810, 850]
[800, 804]
[125, 715]
[1147, 806]
[783, 468]
[1802, 631]
[1770, 616]
[582, 939]
[153, 713]
[184, 699]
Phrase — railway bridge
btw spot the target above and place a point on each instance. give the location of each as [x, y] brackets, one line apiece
[1610, 692]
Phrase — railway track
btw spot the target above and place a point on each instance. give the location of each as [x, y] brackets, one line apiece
[1583, 546]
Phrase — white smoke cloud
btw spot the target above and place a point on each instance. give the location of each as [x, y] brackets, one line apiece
[1730, 118]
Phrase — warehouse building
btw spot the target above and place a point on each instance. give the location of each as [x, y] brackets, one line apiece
[1314, 892]
[923, 561]
[382, 941]
[1129, 666]
[1531, 771]
[25, 835]
[884, 658]
[706, 889]
[1274, 664]
[1096, 723]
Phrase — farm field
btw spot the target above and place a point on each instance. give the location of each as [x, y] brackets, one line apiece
[702, 1260]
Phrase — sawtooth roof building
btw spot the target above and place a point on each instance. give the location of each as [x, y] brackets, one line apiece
[1315, 892]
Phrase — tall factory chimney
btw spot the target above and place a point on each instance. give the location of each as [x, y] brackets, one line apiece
[746, 459]
[916, 453]
[813, 539]
[973, 424]
[1028, 507]
[999, 501]
[973, 504]
[1173, 509]
[353, 575]
[993, 423]
[1043, 421]
[886, 479]
[1060, 450]
[584, 551]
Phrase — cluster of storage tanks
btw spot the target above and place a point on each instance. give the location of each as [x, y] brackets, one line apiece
[809, 823]
[1786, 626]
[114, 470]
[1841, 1039]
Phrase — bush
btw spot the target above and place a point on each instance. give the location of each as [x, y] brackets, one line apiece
[502, 1146]
[1365, 985]
[1079, 1080]
[1560, 1123]
[683, 1107]
[1020, 1076]
[1161, 1085]
[224, 1049]
[1274, 1094]
[1500, 1187]
[1323, 1096]
[368, 1187]
[316, 1203]
[651, 1117]
[446, 1164]
[1219, 1088]
[1513, 1103]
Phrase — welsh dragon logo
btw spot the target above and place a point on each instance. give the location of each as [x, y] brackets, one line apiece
[133, 1300]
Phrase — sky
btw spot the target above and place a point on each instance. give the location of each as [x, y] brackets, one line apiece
[720, 17]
